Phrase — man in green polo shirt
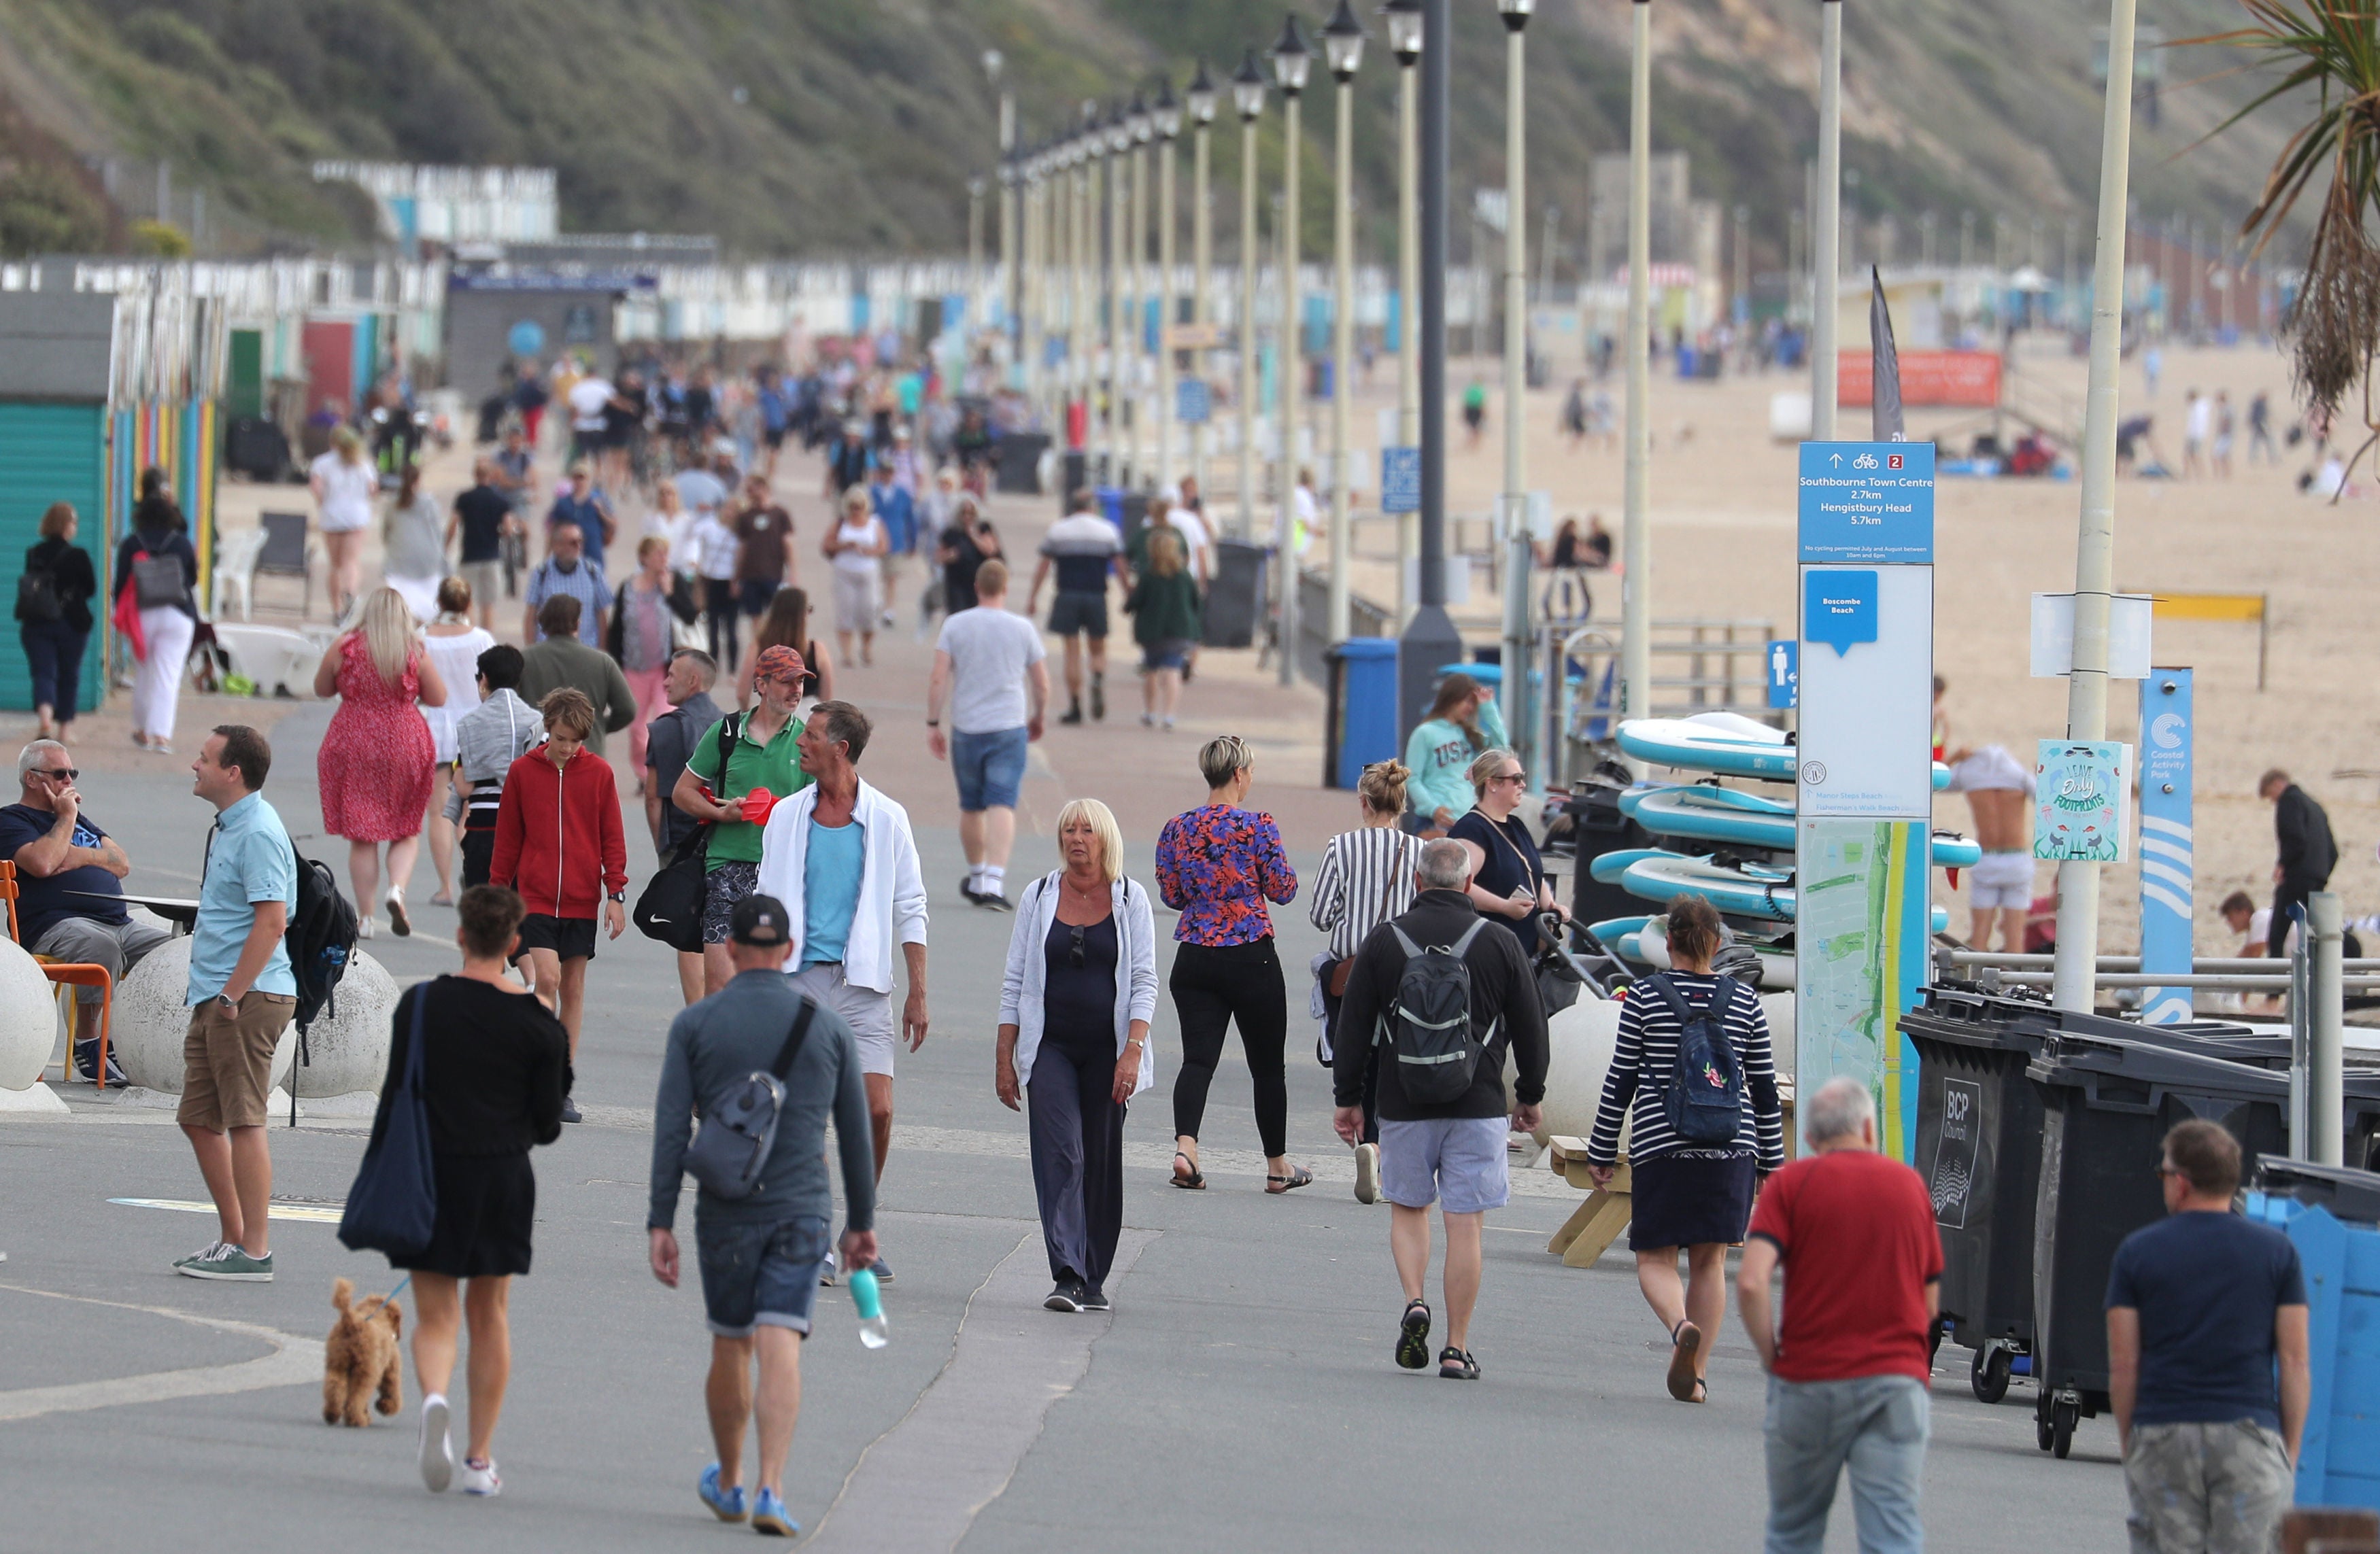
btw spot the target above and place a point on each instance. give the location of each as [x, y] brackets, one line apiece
[762, 766]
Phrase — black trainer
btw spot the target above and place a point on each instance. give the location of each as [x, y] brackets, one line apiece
[1074, 713]
[966, 889]
[1098, 697]
[1095, 1299]
[570, 1111]
[1069, 1295]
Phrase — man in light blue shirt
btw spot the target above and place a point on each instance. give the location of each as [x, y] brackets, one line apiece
[242, 995]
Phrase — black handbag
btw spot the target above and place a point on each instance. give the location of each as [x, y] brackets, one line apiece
[393, 1206]
[670, 908]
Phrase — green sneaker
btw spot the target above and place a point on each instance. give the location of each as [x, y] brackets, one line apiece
[212, 1249]
[228, 1262]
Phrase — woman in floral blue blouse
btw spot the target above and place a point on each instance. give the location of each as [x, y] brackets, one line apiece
[1218, 865]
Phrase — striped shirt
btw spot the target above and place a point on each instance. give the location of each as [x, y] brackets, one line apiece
[488, 739]
[1366, 877]
[1647, 1055]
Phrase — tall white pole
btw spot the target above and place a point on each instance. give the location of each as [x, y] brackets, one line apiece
[1825, 224]
[1136, 282]
[1287, 373]
[1165, 218]
[1086, 374]
[1009, 189]
[1408, 317]
[2095, 546]
[1245, 315]
[1112, 300]
[1342, 350]
[1635, 535]
[1202, 260]
[1518, 718]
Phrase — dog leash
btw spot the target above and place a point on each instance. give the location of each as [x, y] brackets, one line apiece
[383, 1300]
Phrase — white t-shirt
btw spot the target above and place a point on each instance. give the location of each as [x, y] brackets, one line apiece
[716, 545]
[1193, 530]
[990, 651]
[348, 492]
[2202, 419]
[587, 397]
[679, 531]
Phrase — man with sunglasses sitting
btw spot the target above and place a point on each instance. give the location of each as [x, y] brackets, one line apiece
[70, 903]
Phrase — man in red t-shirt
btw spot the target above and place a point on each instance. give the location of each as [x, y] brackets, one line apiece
[1854, 1233]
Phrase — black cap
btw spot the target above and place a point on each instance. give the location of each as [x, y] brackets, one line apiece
[759, 920]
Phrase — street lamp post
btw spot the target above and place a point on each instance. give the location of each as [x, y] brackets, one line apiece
[1342, 49]
[1165, 115]
[1291, 61]
[1115, 139]
[1517, 554]
[1141, 128]
[1085, 154]
[1429, 638]
[1248, 96]
[975, 241]
[1825, 224]
[1404, 42]
[1637, 534]
[1200, 99]
[1008, 268]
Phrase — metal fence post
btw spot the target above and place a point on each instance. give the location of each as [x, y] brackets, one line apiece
[2325, 1107]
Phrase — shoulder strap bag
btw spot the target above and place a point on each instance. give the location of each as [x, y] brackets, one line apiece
[1345, 966]
[670, 906]
[393, 1205]
[730, 1154]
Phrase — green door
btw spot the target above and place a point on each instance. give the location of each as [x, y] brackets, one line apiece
[50, 452]
[245, 394]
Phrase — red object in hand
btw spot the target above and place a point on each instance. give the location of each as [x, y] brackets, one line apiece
[756, 805]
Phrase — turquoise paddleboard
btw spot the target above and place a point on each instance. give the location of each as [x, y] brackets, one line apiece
[1706, 814]
[1748, 891]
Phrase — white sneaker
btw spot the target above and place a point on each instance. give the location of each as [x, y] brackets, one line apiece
[827, 1270]
[398, 924]
[1368, 1173]
[437, 1451]
[480, 1478]
[364, 926]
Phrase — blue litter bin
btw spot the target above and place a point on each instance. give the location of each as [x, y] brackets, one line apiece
[1363, 707]
[1110, 500]
[2330, 1213]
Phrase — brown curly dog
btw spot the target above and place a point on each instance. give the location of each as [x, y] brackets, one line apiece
[362, 1355]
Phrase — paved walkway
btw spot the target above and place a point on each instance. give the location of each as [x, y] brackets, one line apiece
[1241, 1395]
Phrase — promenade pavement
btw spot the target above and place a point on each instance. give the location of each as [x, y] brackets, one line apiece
[1241, 1395]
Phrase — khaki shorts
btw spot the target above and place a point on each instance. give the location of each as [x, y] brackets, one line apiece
[227, 1061]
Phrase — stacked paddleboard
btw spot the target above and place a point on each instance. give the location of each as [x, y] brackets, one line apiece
[1732, 846]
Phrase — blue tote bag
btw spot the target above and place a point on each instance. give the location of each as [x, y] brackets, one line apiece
[393, 1206]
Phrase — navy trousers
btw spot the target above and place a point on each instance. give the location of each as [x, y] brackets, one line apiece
[1077, 1129]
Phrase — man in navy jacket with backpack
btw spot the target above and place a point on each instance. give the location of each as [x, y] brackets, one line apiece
[1440, 1140]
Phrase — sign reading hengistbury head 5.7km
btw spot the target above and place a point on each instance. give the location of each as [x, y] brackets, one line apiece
[1867, 503]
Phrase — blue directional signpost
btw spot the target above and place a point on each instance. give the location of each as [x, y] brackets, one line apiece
[1862, 683]
[1399, 480]
[1784, 672]
[1193, 403]
[2167, 851]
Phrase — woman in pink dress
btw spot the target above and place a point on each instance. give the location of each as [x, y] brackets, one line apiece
[376, 762]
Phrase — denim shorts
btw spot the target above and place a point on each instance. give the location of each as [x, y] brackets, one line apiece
[990, 766]
[760, 1276]
[1460, 1158]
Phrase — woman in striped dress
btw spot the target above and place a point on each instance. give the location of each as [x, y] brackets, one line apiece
[1695, 1195]
[1367, 878]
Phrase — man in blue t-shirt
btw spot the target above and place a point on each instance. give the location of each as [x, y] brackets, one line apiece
[70, 902]
[2202, 1308]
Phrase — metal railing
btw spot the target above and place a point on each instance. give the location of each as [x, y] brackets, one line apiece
[1581, 724]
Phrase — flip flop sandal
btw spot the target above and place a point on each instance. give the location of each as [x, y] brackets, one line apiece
[1685, 1340]
[1299, 1177]
[1701, 1390]
[1413, 1336]
[1196, 1181]
[1456, 1364]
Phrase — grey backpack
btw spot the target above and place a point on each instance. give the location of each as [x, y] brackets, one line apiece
[1428, 1027]
[730, 1151]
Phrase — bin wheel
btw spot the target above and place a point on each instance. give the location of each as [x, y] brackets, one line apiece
[1990, 1374]
[2043, 1435]
[1934, 1343]
[2062, 1421]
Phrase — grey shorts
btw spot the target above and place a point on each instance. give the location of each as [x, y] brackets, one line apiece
[2220, 1487]
[487, 580]
[1459, 1159]
[1086, 612]
[866, 1011]
[88, 941]
[721, 889]
[760, 1276]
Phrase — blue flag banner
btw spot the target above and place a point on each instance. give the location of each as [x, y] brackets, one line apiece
[2166, 868]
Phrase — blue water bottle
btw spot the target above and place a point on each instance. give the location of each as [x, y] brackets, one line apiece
[869, 1303]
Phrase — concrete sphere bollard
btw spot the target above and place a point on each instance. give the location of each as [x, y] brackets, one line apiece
[346, 1047]
[152, 1021]
[29, 1018]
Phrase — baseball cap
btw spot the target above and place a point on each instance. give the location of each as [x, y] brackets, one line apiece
[779, 664]
[760, 921]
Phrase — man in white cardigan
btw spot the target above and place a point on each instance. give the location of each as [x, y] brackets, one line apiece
[839, 855]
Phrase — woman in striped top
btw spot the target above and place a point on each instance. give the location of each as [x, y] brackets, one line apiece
[1367, 878]
[1688, 1194]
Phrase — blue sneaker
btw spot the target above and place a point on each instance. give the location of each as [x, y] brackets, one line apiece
[725, 1504]
[768, 1516]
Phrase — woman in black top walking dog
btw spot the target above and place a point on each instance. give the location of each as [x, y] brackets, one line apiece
[1690, 1195]
[495, 1068]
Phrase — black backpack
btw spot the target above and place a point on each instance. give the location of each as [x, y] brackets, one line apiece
[321, 940]
[1703, 1099]
[1429, 1026]
[37, 596]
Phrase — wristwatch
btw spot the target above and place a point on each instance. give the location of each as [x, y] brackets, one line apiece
[230, 1004]
[933, 723]
[619, 895]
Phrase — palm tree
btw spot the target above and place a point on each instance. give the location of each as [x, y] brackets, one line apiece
[2333, 48]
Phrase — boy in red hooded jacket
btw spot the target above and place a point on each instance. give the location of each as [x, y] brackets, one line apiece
[560, 843]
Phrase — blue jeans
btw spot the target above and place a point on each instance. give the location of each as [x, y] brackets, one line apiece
[1876, 1425]
[54, 660]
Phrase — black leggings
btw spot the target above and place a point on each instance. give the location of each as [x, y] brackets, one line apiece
[718, 604]
[1211, 986]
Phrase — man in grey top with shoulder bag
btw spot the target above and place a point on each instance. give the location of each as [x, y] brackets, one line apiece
[759, 1249]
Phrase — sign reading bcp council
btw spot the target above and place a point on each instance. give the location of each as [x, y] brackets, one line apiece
[1867, 503]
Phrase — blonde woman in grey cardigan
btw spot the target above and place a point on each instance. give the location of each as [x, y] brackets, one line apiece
[1074, 1010]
